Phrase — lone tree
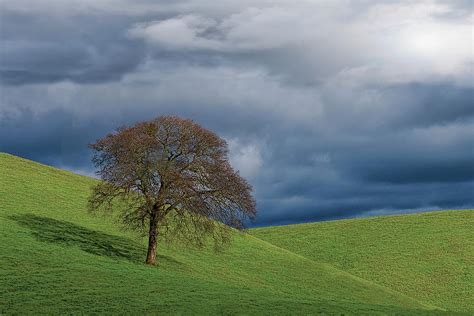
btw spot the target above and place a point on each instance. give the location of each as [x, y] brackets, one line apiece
[171, 177]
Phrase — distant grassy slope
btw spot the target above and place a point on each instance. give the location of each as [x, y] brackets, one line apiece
[428, 256]
[57, 258]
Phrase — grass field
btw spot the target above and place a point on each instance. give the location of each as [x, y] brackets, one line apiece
[55, 258]
[428, 256]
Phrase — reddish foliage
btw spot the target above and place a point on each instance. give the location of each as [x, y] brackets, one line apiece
[173, 176]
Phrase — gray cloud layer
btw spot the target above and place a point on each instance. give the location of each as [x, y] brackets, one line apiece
[331, 110]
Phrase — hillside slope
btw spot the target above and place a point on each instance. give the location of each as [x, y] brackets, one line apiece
[428, 256]
[57, 258]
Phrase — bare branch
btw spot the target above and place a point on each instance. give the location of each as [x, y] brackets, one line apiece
[174, 176]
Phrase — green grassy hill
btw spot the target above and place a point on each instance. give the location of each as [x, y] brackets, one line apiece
[56, 258]
[427, 256]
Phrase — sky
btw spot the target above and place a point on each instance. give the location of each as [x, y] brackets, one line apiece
[331, 109]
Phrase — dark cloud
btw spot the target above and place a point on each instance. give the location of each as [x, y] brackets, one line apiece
[421, 171]
[84, 49]
[52, 137]
[323, 119]
[431, 104]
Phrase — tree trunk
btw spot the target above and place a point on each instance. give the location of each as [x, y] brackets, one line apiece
[151, 255]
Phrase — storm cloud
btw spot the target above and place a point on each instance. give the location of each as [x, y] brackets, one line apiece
[331, 109]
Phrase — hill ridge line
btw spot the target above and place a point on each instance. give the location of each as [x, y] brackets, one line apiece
[69, 172]
[362, 218]
[43, 165]
[352, 276]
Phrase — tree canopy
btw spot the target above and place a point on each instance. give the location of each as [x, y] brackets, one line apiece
[172, 176]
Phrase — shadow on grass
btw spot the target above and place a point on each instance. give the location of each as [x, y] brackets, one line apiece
[68, 234]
